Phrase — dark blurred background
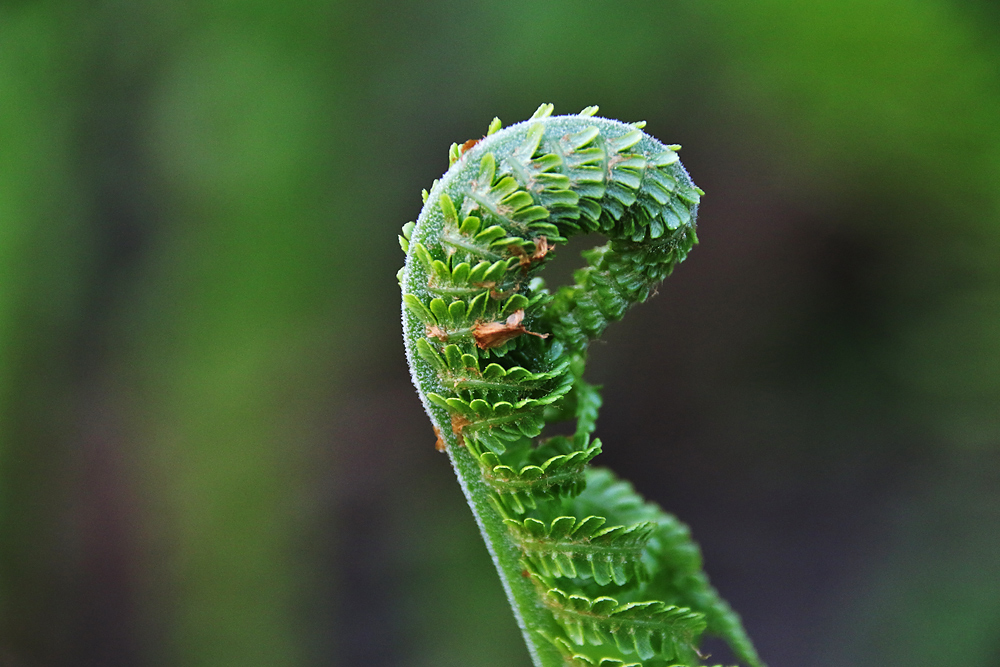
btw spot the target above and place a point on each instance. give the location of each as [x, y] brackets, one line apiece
[210, 450]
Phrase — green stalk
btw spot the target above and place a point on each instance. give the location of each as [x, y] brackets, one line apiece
[520, 591]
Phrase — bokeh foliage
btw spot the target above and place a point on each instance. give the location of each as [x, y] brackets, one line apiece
[209, 451]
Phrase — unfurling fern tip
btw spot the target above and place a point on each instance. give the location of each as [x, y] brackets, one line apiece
[595, 575]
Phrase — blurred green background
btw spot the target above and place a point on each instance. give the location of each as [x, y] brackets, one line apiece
[210, 451]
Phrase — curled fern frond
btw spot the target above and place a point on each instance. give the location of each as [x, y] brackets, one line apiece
[595, 575]
[568, 547]
[523, 477]
[648, 629]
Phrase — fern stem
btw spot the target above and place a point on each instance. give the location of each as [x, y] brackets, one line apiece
[533, 620]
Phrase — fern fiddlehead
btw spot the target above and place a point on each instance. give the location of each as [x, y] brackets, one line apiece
[595, 575]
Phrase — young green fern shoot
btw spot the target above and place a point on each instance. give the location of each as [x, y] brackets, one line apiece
[595, 575]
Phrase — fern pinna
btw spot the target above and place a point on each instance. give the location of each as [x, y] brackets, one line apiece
[595, 575]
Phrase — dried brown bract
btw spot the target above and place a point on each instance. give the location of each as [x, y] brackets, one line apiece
[468, 144]
[495, 334]
[459, 422]
[542, 248]
[434, 331]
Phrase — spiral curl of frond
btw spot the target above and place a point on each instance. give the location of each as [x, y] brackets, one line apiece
[596, 575]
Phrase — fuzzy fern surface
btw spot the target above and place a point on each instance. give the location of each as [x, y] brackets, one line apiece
[595, 575]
